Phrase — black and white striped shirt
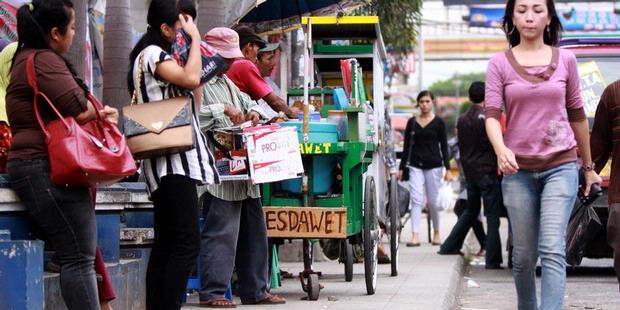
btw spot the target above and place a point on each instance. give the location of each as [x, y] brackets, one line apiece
[197, 163]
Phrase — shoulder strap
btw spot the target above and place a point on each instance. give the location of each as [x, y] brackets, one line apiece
[31, 74]
[136, 88]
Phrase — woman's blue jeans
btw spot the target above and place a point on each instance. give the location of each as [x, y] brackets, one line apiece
[67, 217]
[539, 205]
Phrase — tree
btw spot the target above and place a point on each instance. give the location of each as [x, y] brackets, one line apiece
[76, 53]
[117, 46]
[448, 87]
[400, 21]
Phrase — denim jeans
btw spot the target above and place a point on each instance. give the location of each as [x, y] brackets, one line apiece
[488, 188]
[66, 215]
[234, 235]
[539, 205]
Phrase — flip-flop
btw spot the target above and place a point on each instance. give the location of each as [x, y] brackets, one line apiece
[217, 303]
[412, 244]
[269, 299]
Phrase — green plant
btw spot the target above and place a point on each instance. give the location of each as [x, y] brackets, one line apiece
[448, 87]
[400, 21]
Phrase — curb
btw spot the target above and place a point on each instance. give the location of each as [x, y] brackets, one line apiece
[449, 300]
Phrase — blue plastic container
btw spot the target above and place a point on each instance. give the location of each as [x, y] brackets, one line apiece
[319, 132]
[322, 175]
[323, 166]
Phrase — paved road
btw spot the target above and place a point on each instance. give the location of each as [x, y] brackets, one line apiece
[591, 286]
[426, 281]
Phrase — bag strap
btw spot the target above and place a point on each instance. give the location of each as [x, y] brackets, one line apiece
[140, 73]
[31, 74]
[411, 140]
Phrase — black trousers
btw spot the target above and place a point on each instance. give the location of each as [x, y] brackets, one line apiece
[177, 242]
[476, 226]
[234, 235]
[488, 188]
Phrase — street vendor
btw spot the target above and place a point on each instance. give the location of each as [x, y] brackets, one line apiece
[245, 74]
[234, 233]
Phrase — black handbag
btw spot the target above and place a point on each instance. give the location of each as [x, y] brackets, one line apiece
[405, 168]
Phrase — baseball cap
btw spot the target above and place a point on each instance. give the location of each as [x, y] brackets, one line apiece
[270, 47]
[247, 35]
[225, 41]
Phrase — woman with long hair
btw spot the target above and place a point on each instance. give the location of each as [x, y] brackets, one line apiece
[171, 179]
[65, 214]
[426, 157]
[537, 85]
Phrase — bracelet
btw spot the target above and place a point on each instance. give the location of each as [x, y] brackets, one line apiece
[589, 167]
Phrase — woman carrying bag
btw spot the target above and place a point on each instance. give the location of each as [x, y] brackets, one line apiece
[171, 178]
[426, 149]
[64, 213]
[537, 85]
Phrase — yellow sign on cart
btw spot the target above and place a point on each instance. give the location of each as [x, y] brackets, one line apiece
[300, 222]
[592, 85]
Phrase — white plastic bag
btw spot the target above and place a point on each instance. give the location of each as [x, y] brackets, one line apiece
[445, 196]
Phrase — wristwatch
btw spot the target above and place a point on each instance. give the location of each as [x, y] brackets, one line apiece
[589, 167]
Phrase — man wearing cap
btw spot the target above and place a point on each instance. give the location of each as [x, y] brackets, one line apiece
[246, 76]
[234, 233]
[265, 62]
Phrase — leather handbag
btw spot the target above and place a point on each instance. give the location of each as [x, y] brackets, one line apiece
[158, 128]
[93, 154]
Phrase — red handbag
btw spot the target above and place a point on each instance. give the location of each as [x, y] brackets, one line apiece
[93, 154]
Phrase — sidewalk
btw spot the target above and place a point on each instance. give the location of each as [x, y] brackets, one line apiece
[426, 280]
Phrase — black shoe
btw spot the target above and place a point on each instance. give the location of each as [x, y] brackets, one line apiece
[493, 266]
[451, 253]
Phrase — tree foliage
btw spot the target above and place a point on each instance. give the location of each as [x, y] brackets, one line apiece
[448, 87]
[400, 21]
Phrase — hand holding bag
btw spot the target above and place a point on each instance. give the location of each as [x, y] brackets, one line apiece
[92, 154]
[159, 127]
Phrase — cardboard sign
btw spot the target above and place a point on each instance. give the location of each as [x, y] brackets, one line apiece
[273, 153]
[592, 85]
[301, 222]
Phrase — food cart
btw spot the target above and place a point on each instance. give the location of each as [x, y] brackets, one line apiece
[344, 192]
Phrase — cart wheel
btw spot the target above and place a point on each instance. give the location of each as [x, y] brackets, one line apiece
[371, 236]
[348, 260]
[313, 286]
[395, 225]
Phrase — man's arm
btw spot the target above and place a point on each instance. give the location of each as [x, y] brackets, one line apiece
[210, 113]
[600, 138]
[279, 105]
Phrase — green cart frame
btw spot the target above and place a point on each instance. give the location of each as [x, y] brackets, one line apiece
[365, 174]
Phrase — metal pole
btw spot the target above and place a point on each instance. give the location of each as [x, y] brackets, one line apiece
[307, 68]
[420, 59]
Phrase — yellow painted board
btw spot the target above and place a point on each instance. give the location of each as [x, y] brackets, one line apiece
[301, 222]
[333, 20]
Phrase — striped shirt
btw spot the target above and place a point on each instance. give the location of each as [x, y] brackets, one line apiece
[216, 94]
[198, 163]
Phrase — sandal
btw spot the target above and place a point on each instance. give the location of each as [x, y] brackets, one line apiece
[217, 303]
[271, 299]
[412, 244]
[383, 259]
[285, 274]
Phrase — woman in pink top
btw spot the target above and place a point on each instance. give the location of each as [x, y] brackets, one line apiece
[537, 85]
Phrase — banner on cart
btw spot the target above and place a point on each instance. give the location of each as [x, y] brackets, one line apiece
[273, 153]
[300, 222]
